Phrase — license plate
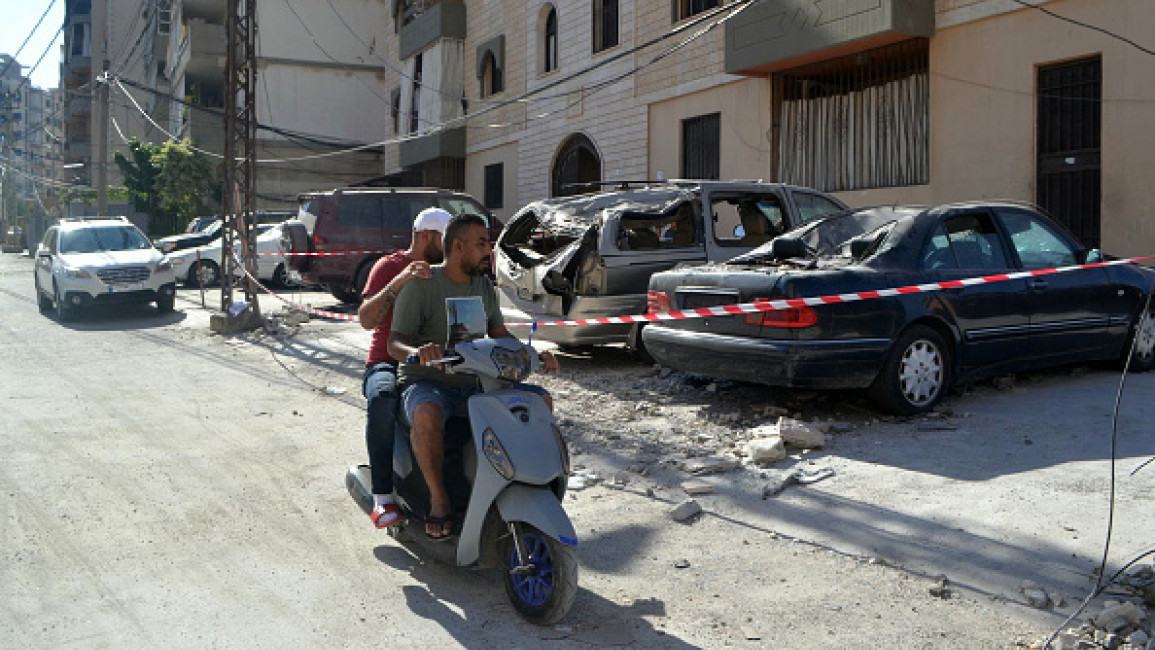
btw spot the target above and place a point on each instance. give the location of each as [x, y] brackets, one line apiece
[120, 288]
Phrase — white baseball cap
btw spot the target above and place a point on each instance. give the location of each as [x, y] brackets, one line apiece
[432, 219]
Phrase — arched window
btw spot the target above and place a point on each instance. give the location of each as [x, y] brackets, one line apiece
[550, 41]
[576, 168]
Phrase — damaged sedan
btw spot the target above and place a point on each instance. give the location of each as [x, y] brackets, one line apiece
[907, 348]
[591, 256]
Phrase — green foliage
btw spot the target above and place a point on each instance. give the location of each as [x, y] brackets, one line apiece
[186, 183]
[170, 182]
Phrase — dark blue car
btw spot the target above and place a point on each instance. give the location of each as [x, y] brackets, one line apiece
[906, 349]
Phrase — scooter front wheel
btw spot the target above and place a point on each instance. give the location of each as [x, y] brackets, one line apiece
[543, 592]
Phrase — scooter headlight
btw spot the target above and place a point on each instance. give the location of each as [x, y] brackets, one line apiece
[512, 365]
[493, 450]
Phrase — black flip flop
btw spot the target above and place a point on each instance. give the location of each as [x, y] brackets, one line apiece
[441, 522]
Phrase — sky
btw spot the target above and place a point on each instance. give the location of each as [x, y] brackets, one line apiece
[17, 17]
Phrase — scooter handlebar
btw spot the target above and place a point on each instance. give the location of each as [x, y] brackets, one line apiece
[449, 361]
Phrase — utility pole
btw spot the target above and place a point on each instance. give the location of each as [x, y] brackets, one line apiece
[100, 114]
[240, 153]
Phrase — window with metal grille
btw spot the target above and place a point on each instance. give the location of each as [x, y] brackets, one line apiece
[857, 122]
[495, 186]
[605, 28]
[701, 146]
[685, 8]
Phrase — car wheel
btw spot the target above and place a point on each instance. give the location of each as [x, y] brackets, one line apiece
[637, 346]
[64, 311]
[281, 276]
[1143, 339]
[43, 302]
[207, 270]
[916, 373]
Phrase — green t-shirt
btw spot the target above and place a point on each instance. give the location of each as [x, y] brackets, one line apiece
[422, 314]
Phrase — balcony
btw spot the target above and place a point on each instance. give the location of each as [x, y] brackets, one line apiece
[449, 143]
[778, 34]
[207, 46]
[76, 70]
[425, 21]
[78, 151]
[78, 108]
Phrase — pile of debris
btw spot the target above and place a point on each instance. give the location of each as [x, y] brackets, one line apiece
[1123, 622]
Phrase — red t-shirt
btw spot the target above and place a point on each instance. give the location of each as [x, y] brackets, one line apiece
[383, 272]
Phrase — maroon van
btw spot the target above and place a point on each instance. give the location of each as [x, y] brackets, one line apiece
[361, 225]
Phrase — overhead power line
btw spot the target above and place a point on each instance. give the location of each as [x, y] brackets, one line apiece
[1088, 26]
[28, 38]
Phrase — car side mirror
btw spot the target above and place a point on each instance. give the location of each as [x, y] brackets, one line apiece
[1094, 256]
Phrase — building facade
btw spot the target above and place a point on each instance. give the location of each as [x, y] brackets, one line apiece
[880, 102]
[30, 146]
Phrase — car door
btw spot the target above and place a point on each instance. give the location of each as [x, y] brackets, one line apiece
[992, 318]
[1069, 311]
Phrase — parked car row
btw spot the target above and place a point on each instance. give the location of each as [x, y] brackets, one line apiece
[689, 244]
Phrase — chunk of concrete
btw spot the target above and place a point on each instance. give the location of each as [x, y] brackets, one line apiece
[763, 451]
[796, 433]
[708, 464]
[685, 510]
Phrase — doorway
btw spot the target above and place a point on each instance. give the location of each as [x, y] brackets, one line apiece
[1069, 124]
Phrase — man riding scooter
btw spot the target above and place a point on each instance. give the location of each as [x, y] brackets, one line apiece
[420, 328]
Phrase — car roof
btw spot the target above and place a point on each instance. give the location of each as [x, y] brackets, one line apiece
[70, 223]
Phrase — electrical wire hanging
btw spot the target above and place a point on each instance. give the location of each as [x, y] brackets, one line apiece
[28, 38]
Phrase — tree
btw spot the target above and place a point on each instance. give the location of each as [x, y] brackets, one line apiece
[140, 176]
[186, 183]
[170, 182]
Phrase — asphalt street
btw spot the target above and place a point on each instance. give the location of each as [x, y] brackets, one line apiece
[162, 486]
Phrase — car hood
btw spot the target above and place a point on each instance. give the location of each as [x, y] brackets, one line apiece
[113, 258]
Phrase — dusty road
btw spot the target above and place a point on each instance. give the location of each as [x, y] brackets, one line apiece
[162, 486]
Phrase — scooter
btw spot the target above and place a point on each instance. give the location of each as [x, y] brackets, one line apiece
[507, 511]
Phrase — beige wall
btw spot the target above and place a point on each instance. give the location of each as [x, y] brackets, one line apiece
[475, 177]
[745, 119]
[983, 111]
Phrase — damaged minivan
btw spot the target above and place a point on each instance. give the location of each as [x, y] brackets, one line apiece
[592, 255]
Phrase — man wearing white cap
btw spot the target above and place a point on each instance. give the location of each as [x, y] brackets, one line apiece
[379, 384]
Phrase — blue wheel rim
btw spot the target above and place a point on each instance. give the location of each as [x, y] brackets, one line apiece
[533, 590]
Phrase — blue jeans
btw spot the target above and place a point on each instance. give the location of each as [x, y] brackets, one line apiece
[379, 386]
[451, 398]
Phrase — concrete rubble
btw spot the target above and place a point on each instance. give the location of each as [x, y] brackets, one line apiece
[1114, 623]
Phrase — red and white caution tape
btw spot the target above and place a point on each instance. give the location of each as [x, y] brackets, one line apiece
[794, 303]
[770, 305]
[328, 254]
[305, 308]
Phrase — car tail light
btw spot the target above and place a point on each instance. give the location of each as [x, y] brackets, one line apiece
[318, 241]
[792, 317]
[658, 302]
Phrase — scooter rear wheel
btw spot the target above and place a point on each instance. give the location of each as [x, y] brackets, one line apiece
[545, 596]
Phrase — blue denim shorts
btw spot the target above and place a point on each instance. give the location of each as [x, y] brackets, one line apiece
[452, 399]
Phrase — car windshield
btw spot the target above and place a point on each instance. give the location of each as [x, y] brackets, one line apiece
[96, 240]
[825, 238]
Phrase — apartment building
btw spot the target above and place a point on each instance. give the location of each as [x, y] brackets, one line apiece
[320, 92]
[29, 144]
[881, 101]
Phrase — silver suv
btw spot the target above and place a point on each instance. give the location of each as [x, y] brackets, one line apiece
[100, 260]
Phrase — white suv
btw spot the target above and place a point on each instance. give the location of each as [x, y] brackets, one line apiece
[98, 260]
